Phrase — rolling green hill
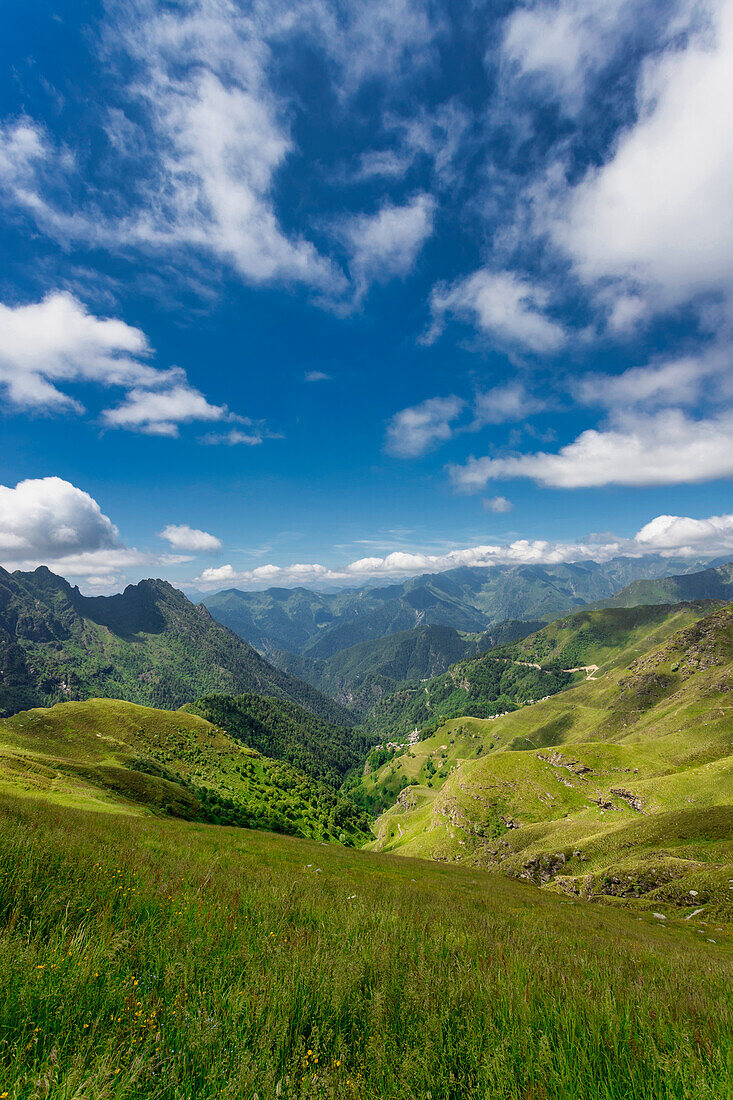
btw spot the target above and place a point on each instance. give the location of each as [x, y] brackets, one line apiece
[620, 787]
[116, 756]
[149, 644]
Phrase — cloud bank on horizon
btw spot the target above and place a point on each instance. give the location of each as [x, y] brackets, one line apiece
[509, 275]
[50, 522]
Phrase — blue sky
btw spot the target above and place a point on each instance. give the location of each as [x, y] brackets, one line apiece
[319, 292]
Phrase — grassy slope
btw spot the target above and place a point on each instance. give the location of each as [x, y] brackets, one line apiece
[149, 644]
[503, 678]
[621, 786]
[114, 755]
[608, 638]
[158, 959]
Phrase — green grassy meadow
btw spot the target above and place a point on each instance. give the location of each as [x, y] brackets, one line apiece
[111, 754]
[155, 958]
[149, 949]
[619, 789]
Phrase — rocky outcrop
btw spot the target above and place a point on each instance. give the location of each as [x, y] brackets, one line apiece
[542, 869]
[633, 800]
[603, 804]
[406, 800]
[628, 882]
[556, 760]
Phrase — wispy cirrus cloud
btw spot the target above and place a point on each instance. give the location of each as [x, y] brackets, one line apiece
[682, 380]
[563, 45]
[207, 122]
[437, 136]
[501, 304]
[412, 432]
[385, 245]
[420, 428]
[499, 505]
[504, 404]
[235, 437]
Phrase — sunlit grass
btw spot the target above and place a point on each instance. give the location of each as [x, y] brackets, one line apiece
[143, 958]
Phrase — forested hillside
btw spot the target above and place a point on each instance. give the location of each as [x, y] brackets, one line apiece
[285, 731]
[115, 756]
[149, 644]
[359, 677]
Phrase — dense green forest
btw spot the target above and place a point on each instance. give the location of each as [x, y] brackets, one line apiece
[479, 688]
[284, 731]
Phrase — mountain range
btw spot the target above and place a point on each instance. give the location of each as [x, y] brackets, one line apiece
[470, 600]
[149, 645]
[152, 646]
[373, 678]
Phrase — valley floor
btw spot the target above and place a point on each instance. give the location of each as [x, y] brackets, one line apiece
[144, 958]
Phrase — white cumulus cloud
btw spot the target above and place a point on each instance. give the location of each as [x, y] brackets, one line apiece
[48, 521]
[48, 346]
[159, 412]
[54, 341]
[656, 215]
[50, 517]
[673, 532]
[667, 448]
[182, 537]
